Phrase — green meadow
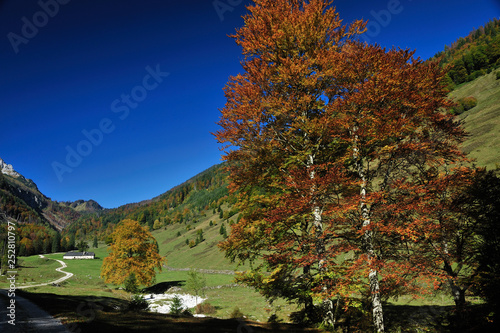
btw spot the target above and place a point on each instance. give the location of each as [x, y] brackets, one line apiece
[483, 121]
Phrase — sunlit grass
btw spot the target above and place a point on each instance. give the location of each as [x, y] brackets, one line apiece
[33, 270]
[483, 121]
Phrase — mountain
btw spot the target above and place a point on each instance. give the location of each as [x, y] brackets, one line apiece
[21, 200]
[7, 169]
[186, 203]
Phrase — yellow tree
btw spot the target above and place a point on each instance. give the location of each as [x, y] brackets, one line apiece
[133, 251]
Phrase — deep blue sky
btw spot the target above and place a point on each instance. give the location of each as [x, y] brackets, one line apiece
[74, 74]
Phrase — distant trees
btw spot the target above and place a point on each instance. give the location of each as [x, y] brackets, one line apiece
[56, 243]
[82, 246]
[475, 55]
[37, 239]
[340, 152]
[133, 251]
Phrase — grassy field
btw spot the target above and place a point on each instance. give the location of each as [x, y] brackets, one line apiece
[34, 270]
[221, 292]
[205, 255]
[483, 121]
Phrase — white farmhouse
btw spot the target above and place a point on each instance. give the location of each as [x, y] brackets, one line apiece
[79, 255]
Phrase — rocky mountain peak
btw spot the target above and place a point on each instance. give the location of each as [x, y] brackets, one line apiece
[8, 169]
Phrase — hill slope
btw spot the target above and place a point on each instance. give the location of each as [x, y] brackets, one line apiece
[483, 121]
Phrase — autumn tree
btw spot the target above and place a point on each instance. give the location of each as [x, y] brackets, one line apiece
[133, 251]
[330, 143]
[278, 116]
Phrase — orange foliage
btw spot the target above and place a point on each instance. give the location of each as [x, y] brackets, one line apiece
[134, 250]
[338, 151]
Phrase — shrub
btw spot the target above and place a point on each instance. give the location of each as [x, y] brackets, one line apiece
[468, 102]
[273, 319]
[236, 314]
[205, 308]
[464, 104]
[137, 302]
[497, 75]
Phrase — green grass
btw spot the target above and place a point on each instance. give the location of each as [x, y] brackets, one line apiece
[483, 121]
[34, 270]
[205, 255]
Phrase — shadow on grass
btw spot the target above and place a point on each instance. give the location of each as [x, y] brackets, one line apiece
[162, 287]
[434, 318]
[106, 314]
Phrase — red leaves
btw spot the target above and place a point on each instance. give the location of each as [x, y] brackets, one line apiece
[341, 152]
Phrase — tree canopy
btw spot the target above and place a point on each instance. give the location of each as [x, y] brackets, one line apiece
[133, 251]
[338, 150]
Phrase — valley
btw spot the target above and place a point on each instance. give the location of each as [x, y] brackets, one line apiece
[188, 223]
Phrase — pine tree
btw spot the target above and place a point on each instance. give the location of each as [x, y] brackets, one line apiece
[56, 243]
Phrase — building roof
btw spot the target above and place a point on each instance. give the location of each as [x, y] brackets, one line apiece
[79, 254]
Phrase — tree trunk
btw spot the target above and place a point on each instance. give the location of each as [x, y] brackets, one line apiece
[317, 212]
[459, 299]
[367, 242]
[377, 311]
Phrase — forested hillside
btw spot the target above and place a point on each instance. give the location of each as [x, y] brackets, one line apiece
[473, 56]
[185, 203]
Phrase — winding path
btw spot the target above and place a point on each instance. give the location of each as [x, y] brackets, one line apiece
[28, 316]
[60, 269]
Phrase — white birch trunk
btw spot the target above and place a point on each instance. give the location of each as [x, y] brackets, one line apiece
[317, 213]
[377, 310]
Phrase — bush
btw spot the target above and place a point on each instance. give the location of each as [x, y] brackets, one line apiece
[273, 319]
[205, 308]
[464, 104]
[497, 75]
[137, 302]
[236, 314]
[468, 102]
